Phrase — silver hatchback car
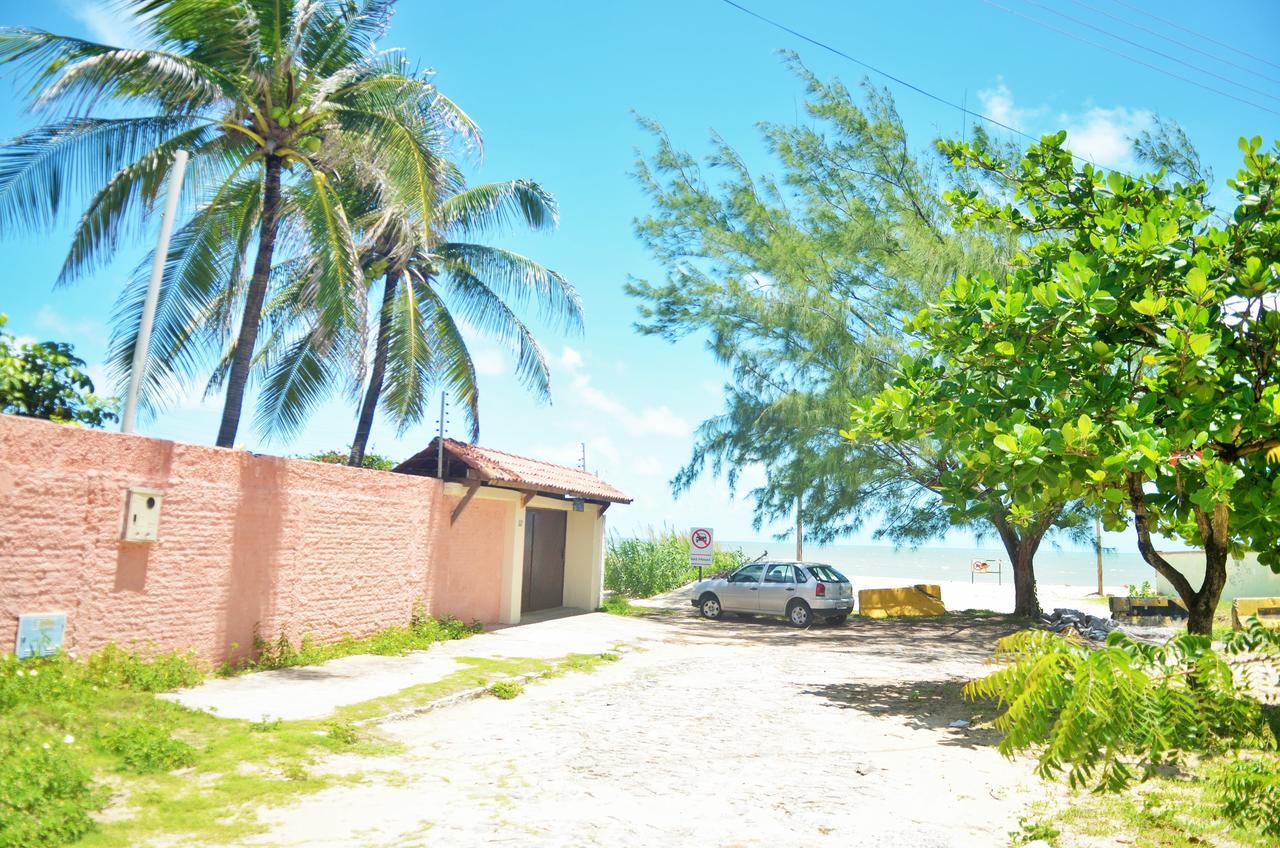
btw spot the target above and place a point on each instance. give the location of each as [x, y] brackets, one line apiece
[796, 591]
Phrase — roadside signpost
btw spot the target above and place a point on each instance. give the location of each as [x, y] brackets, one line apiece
[701, 547]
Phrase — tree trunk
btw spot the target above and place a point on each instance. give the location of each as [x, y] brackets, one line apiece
[373, 394]
[799, 529]
[248, 338]
[1201, 604]
[1022, 548]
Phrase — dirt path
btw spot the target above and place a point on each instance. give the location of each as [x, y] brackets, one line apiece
[716, 734]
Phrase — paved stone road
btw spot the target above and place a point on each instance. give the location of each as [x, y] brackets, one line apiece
[737, 733]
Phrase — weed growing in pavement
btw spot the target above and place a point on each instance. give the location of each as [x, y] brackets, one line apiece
[506, 689]
[422, 632]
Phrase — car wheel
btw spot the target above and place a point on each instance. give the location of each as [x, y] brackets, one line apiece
[838, 619]
[710, 607]
[799, 614]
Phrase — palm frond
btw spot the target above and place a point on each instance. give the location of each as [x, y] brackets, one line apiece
[484, 309]
[42, 168]
[497, 206]
[516, 279]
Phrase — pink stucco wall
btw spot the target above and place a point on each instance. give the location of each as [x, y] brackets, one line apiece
[244, 540]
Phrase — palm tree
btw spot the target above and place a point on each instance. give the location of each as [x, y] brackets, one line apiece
[435, 278]
[278, 101]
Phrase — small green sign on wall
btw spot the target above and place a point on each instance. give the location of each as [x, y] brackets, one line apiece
[40, 634]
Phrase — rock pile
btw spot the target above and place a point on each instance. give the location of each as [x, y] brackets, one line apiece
[1082, 624]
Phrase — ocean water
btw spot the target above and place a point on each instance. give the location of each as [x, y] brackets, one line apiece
[1071, 567]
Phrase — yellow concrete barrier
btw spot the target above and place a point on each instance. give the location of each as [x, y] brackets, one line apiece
[1266, 609]
[921, 599]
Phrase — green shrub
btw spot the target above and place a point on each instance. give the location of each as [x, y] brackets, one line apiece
[1250, 789]
[342, 732]
[506, 689]
[45, 795]
[642, 568]
[145, 747]
[1110, 716]
[117, 668]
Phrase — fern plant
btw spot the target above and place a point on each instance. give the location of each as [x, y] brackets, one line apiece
[1109, 716]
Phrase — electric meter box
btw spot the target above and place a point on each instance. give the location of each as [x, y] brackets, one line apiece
[141, 515]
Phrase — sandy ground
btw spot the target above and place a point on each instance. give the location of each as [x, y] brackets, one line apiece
[729, 733]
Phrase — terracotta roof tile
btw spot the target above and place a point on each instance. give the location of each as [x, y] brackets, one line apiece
[495, 466]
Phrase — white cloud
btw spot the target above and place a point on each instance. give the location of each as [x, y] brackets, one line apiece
[489, 361]
[1105, 136]
[659, 421]
[570, 358]
[648, 466]
[105, 25]
[590, 396]
[85, 331]
[997, 104]
[1102, 136]
[649, 421]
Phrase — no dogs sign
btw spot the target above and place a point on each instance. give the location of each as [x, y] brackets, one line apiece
[701, 545]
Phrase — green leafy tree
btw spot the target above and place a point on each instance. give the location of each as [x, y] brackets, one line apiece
[277, 101]
[1128, 359]
[376, 461]
[46, 380]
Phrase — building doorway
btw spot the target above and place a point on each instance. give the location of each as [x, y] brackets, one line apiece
[544, 536]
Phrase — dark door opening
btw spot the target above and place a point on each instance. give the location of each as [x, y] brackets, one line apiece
[543, 588]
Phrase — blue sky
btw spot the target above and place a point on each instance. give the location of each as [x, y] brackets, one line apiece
[555, 87]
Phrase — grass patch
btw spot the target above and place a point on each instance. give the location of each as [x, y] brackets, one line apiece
[620, 605]
[420, 633]
[90, 755]
[1165, 812]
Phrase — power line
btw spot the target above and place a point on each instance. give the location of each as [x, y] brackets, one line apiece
[962, 109]
[1175, 25]
[1156, 68]
[1141, 46]
[1172, 40]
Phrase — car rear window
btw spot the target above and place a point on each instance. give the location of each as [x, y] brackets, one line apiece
[827, 573]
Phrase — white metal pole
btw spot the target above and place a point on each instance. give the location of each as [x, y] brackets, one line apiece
[143, 343]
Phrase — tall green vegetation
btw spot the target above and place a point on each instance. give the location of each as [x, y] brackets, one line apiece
[47, 380]
[647, 566]
[278, 102]
[801, 282]
[1129, 358]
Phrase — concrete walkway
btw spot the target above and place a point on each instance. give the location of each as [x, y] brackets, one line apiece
[310, 692]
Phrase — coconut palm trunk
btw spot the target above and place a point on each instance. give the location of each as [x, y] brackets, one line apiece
[364, 423]
[252, 319]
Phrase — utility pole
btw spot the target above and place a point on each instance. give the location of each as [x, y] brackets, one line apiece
[1097, 547]
[440, 443]
[799, 530]
[142, 344]
[582, 463]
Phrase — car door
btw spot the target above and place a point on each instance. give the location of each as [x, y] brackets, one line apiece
[777, 588]
[742, 591]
